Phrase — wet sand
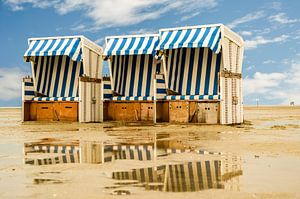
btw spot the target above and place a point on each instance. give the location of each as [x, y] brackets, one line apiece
[259, 159]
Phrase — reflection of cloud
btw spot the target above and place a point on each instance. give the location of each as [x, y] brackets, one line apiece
[247, 18]
[108, 13]
[260, 40]
[10, 83]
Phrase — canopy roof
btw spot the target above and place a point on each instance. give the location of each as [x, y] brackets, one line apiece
[191, 37]
[53, 46]
[131, 45]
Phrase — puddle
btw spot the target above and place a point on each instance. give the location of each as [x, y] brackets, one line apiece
[211, 173]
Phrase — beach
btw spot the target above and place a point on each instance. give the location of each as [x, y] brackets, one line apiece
[263, 155]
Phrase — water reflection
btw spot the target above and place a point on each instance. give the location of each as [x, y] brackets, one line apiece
[186, 177]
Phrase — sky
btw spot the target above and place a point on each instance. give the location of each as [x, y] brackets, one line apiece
[270, 29]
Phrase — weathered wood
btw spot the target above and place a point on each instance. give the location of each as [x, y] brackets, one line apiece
[209, 113]
[179, 111]
[147, 111]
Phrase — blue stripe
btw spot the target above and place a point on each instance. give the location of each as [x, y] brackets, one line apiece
[211, 40]
[41, 47]
[190, 71]
[175, 39]
[63, 89]
[40, 72]
[171, 66]
[176, 68]
[106, 96]
[57, 76]
[28, 84]
[107, 86]
[187, 34]
[216, 81]
[208, 69]
[57, 47]
[148, 45]
[199, 71]
[162, 81]
[74, 68]
[166, 40]
[141, 74]
[130, 46]
[121, 46]
[133, 68]
[33, 48]
[66, 46]
[161, 91]
[215, 48]
[119, 90]
[126, 62]
[197, 32]
[149, 74]
[74, 48]
[182, 69]
[29, 92]
[200, 44]
[113, 45]
[46, 74]
[51, 73]
[49, 47]
[139, 45]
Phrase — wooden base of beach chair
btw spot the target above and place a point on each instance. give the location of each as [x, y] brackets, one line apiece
[128, 111]
[50, 111]
[194, 112]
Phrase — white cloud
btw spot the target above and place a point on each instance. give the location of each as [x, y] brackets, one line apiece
[260, 40]
[10, 83]
[113, 13]
[262, 82]
[269, 61]
[143, 31]
[247, 18]
[282, 19]
[245, 33]
[284, 86]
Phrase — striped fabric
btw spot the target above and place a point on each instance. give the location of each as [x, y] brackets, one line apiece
[192, 97]
[57, 76]
[133, 75]
[193, 71]
[161, 91]
[69, 46]
[27, 89]
[107, 91]
[131, 45]
[191, 37]
[53, 99]
[144, 98]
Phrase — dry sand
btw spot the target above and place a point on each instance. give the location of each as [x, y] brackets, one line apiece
[268, 145]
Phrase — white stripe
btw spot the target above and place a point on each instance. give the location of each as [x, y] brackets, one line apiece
[152, 46]
[62, 46]
[134, 46]
[117, 46]
[31, 44]
[125, 46]
[171, 38]
[193, 31]
[163, 40]
[179, 72]
[108, 46]
[128, 76]
[70, 47]
[216, 39]
[76, 80]
[208, 37]
[69, 76]
[180, 39]
[152, 77]
[137, 75]
[43, 76]
[143, 46]
[53, 76]
[212, 74]
[195, 71]
[48, 76]
[61, 76]
[42, 51]
[146, 64]
[54, 47]
[203, 73]
[186, 70]
[37, 74]
[195, 43]
[36, 50]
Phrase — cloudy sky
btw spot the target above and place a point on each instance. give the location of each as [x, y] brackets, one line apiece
[271, 30]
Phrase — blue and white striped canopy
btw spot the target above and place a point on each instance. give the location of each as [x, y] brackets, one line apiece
[69, 46]
[191, 37]
[131, 45]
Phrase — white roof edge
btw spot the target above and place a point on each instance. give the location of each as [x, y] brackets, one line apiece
[190, 27]
[55, 37]
[233, 35]
[92, 44]
[131, 36]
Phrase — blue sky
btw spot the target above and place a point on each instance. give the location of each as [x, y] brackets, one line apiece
[271, 30]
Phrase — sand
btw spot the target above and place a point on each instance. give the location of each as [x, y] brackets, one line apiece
[267, 147]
